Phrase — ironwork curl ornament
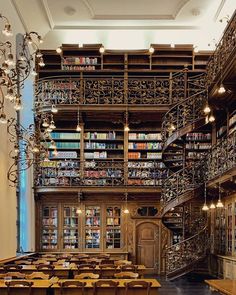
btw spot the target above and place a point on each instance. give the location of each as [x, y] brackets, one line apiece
[24, 150]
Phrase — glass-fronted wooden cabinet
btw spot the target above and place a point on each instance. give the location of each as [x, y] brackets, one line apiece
[96, 228]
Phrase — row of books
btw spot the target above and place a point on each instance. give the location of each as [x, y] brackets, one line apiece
[65, 135]
[49, 221]
[198, 146]
[60, 164]
[78, 68]
[145, 146]
[145, 136]
[80, 60]
[100, 135]
[144, 182]
[148, 174]
[147, 165]
[65, 145]
[60, 85]
[198, 136]
[102, 145]
[96, 155]
[63, 154]
[103, 173]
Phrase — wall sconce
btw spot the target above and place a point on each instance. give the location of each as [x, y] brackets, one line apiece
[79, 210]
[126, 210]
[205, 207]
[126, 126]
[78, 128]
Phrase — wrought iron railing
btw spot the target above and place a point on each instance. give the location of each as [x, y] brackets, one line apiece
[183, 114]
[184, 254]
[99, 173]
[179, 183]
[222, 157]
[225, 49]
[65, 90]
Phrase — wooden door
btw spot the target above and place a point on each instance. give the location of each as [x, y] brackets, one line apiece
[147, 235]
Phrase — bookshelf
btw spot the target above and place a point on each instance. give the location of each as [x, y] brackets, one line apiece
[219, 231]
[113, 227]
[49, 228]
[92, 227]
[70, 227]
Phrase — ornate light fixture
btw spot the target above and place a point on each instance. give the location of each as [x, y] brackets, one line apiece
[7, 27]
[126, 210]
[126, 126]
[79, 210]
[205, 207]
[219, 203]
[78, 128]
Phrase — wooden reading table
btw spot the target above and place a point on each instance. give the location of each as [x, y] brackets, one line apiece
[107, 290]
[227, 287]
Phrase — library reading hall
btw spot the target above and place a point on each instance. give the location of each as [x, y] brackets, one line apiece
[117, 147]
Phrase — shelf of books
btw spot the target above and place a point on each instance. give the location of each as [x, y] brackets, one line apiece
[145, 165]
[197, 144]
[113, 227]
[70, 228]
[63, 165]
[92, 227]
[49, 227]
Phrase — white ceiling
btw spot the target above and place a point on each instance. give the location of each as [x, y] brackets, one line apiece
[125, 24]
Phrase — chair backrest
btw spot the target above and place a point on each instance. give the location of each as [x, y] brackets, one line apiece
[87, 275]
[13, 275]
[23, 262]
[18, 283]
[48, 255]
[144, 285]
[126, 275]
[71, 284]
[98, 285]
[107, 261]
[37, 275]
[86, 266]
[104, 266]
[122, 262]
[128, 267]
[46, 267]
[41, 261]
[8, 267]
[59, 262]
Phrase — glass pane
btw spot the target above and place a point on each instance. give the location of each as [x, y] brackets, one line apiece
[113, 227]
[70, 232]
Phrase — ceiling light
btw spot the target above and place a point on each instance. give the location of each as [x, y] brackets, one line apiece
[3, 118]
[211, 118]
[126, 211]
[151, 49]
[52, 145]
[221, 89]
[59, 50]
[7, 30]
[102, 49]
[52, 125]
[207, 109]
[219, 203]
[54, 109]
[212, 206]
[205, 207]
[45, 123]
[41, 62]
[78, 128]
[126, 128]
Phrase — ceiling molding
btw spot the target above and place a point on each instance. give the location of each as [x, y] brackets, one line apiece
[46, 9]
[179, 7]
[19, 15]
[90, 8]
[133, 17]
[94, 27]
[222, 3]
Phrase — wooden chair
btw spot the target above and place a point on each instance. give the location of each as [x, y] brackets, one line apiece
[107, 261]
[99, 285]
[40, 261]
[71, 284]
[143, 285]
[48, 256]
[85, 267]
[11, 285]
[87, 275]
[23, 262]
[126, 275]
[129, 267]
[37, 275]
[122, 262]
[49, 269]
[13, 275]
[10, 267]
[104, 270]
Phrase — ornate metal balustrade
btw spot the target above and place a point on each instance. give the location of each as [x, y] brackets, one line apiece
[182, 256]
[115, 90]
[175, 187]
[182, 115]
[98, 173]
[225, 50]
[222, 157]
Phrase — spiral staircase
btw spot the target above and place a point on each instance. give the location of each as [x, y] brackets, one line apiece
[181, 191]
